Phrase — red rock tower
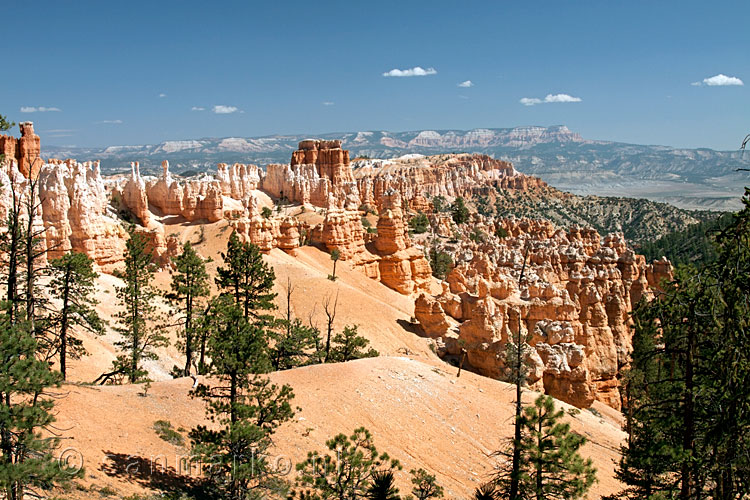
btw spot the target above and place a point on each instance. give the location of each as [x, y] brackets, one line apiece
[330, 160]
[26, 150]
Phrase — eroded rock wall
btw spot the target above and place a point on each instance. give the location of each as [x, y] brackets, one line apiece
[572, 305]
[73, 209]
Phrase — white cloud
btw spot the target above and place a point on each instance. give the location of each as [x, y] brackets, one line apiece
[40, 109]
[531, 101]
[162, 95]
[561, 98]
[463, 97]
[415, 71]
[221, 109]
[719, 80]
[466, 84]
[197, 108]
[328, 103]
[110, 122]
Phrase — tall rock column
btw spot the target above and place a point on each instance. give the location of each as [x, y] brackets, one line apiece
[402, 266]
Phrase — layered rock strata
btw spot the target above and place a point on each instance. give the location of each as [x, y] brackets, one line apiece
[419, 179]
[318, 172]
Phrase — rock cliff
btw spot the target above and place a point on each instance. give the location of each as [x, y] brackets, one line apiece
[417, 178]
[318, 172]
[74, 209]
[572, 305]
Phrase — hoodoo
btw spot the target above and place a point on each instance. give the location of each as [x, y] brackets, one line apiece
[574, 302]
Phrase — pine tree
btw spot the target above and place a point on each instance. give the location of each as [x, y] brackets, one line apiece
[5, 124]
[27, 463]
[26, 456]
[293, 343]
[459, 212]
[137, 296]
[425, 485]
[33, 248]
[552, 467]
[508, 475]
[350, 345]
[189, 285]
[247, 279]
[73, 284]
[335, 256]
[347, 473]
[247, 406]
[383, 486]
[11, 245]
[438, 203]
[688, 386]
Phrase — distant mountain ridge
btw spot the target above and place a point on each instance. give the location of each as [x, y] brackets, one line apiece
[692, 178]
[278, 148]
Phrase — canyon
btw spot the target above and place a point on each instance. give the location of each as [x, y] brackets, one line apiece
[572, 305]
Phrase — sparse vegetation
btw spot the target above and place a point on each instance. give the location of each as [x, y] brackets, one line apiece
[439, 204]
[73, 284]
[477, 236]
[419, 224]
[440, 262]
[335, 256]
[350, 469]
[189, 286]
[349, 345]
[459, 211]
[166, 432]
[140, 337]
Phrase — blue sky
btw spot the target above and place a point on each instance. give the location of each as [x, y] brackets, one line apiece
[132, 72]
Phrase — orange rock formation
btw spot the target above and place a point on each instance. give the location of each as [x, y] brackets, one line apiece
[24, 151]
[574, 301]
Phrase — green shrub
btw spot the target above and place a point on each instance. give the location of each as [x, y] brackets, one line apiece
[440, 262]
[419, 223]
[165, 431]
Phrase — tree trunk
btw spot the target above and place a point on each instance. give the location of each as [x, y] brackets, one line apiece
[539, 471]
[64, 324]
[516, 466]
[135, 318]
[188, 333]
[686, 490]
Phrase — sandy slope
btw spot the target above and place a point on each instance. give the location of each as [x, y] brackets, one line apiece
[419, 412]
[412, 402]
[382, 315]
